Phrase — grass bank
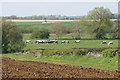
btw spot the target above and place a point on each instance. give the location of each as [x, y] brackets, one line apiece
[86, 61]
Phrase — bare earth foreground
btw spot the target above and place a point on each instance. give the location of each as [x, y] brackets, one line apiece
[30, 69]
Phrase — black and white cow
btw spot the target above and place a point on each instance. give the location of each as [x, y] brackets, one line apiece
[65, 42]
[45, 41]
[104, 42]
[78, 41]
[27, 41]
[53, 41]
[110, 43]
[38, 41]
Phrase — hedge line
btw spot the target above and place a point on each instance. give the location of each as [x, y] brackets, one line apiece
[61, 52]
[106, 52]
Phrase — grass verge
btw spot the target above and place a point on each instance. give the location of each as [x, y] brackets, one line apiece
[85, 61]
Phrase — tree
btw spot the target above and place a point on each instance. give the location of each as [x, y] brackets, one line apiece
[12, 39]
[100, 17]
[77, 29]
[58, 29]
[41, 33]
[114, 31]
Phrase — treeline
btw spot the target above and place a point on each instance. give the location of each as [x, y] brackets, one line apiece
[48, 17]
[96, 25]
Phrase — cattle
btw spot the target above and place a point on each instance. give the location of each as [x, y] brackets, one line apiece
[38, 41]
[27, 41]
[78, 41]
[110, 43]
[65, 42]
[35, 41]
[104, 42]
[53, 41]
[45, 41]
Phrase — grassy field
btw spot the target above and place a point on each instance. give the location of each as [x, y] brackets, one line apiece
[86, 61]
[72, 44]
[30, 26]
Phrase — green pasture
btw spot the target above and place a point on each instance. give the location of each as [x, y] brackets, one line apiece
[72, 44]
[30, 26]
[103, 63]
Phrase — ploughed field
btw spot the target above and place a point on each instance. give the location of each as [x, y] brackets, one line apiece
[30, 69]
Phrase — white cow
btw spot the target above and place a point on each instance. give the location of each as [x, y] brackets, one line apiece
[78, 41]
[27, 41]
[110, 43]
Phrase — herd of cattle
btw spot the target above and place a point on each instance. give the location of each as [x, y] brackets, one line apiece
[50, 41]
[64, 41]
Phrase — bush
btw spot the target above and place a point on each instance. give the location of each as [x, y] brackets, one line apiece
[50, 52]
[33, 51]
[12, 39]
[110, 52]
[42, 33]
[67, 52]
[77, 37]
[61, 52]
[81, 52]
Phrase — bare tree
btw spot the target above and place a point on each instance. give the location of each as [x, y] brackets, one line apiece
[58, 29]
[76, 30]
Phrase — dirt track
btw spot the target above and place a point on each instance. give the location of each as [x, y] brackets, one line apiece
[30, 69]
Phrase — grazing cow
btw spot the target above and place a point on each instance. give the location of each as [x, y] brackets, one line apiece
[38, 41]
[110, 43]
[35, 41]
[65, 42]
[53, 41]
[78, 41]
[45, 41]
[27, 41]
[104, 42]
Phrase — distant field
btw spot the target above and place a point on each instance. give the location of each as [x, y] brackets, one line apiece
[72, 44]
[41, 20]
[30, 26]
[13, 20]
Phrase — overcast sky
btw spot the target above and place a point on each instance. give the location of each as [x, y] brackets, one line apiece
[53, 8]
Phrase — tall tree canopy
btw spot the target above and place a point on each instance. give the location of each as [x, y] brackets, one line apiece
[100, 17]
[12, 39]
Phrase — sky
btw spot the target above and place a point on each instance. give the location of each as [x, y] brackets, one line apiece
[53, 8]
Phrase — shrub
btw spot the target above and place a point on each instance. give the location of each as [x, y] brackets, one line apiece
[36, 51]
[41, 33]
[110, 52]
[50, 52]
[81, 52]
[67, 52]
[33, 51]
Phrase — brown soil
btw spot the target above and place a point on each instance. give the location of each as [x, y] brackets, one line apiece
[30, 69]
